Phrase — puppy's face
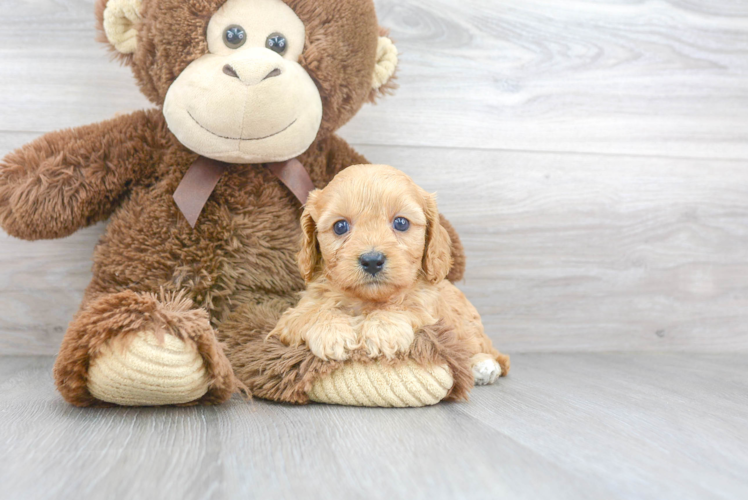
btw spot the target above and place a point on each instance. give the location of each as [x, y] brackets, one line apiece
[373, 233]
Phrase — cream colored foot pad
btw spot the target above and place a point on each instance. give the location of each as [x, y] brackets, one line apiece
[408, 385]
[147, 372]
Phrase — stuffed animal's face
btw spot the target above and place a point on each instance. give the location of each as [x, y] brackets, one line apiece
[250, 81]
[373, 233]
[248, 99]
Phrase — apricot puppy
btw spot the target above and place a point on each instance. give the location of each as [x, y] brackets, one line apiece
[375, 258]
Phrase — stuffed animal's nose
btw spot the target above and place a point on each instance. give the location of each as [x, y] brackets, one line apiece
[250, 76]
[372, 262]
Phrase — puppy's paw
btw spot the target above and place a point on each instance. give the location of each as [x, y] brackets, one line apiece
[486, 370]
[332, 340]
[386, 334]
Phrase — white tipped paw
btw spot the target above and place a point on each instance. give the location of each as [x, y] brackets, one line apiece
[486, 372]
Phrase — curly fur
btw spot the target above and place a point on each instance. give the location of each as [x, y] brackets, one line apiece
[346, 309]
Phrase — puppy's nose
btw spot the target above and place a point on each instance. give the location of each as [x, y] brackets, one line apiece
[372, 262]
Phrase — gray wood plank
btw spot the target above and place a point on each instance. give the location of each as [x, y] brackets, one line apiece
[649, 78]
[53, 74]
[565, 252]
[596, 252]
[638, 426]
[643, 425]
[259, 450]
[664, 78]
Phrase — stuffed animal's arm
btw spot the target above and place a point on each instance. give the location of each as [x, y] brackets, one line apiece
[72, 178]
[342, 155]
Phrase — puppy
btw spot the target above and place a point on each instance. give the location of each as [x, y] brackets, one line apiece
[375, 258]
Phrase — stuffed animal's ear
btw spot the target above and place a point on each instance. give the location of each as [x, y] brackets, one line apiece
[437, 256]
[384, 70]
[119, 19]
[309, 255]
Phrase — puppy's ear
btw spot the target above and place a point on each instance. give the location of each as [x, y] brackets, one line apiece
[309, 256]
[437, 256]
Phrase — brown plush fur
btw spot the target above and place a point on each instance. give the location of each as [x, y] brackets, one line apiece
[72, 178]
[277, 371]
[237, 267]
[125, 313]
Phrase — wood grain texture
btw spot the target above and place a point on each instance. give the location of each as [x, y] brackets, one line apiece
[664, 78]
[574, 426]
[591, 154]
[595, 253]
[654, 78]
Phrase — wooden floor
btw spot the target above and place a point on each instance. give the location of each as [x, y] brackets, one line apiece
[561, 426]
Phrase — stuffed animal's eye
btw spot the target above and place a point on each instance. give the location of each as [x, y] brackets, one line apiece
[277, 43]
[234, 36]
[341, 227]
[401, 224]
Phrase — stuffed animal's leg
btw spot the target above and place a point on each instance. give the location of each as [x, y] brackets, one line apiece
[137, 349]
[436, 367]
[270, 368]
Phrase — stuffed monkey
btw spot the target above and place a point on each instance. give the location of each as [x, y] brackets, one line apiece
[203, 194]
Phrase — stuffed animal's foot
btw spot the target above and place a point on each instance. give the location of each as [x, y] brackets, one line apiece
[374, 384]
[436, 368]
[142, 350]
[143, 370]
[486, 370]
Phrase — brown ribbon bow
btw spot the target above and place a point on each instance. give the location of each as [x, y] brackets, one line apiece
[201, 178]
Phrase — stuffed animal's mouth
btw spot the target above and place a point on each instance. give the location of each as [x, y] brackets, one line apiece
[240, 138]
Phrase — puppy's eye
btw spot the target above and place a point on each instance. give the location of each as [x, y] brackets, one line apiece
[401, 224]
[276, 42]
[234, 36]
[341, 227]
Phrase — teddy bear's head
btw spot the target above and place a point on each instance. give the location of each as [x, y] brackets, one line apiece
[250, 81]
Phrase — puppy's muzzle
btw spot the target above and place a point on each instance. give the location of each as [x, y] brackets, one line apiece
[372, 262]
